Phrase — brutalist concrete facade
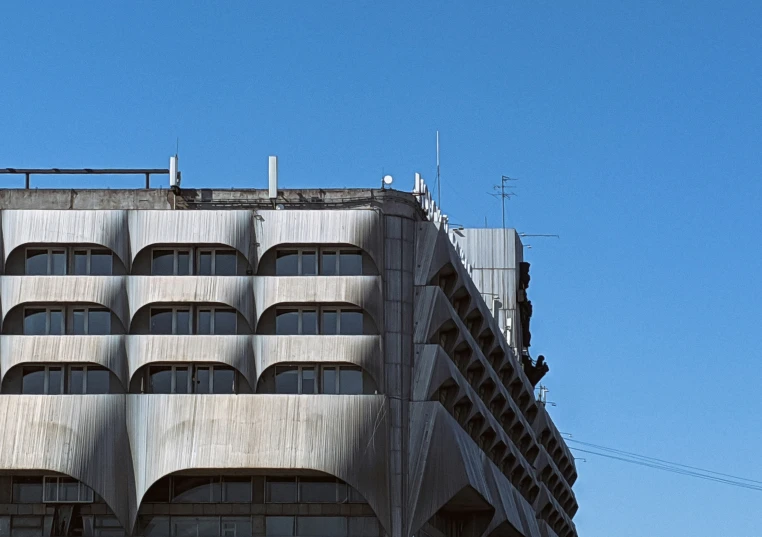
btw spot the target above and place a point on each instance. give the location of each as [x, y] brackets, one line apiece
[445, 439]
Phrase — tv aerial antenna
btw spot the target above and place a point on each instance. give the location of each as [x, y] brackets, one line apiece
[501, 194]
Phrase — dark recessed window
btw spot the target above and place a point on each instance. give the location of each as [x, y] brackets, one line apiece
[321, 490]
[171, 321]
[94, 262]
[217, 262]
[45, 261]
[280, 526]
[27, 490]
[236, 489]
[280, 490]
[65, 490]
[171, 262]
[341, 322]
[183, 379]
[217, 321]
[286, 379]
[196, 490]
[321, 526]
[92, 321]
[44, 321]
[299, 262]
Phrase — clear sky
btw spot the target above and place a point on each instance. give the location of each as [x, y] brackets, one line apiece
[634, 128]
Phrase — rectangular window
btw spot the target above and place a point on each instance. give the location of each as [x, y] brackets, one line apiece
[318, 490]
[77, 380]
[201, 379]
[196, 490]
[235, 526]
[98, 380]
[217, 263]
[286, 379]
[166, 321]
[33, 380]
[280, 490]
[329, 263]
[195, 526]
[363, 526]
[350, 263]
[236, 489]
[182, 380]
[308, 384]
[45, 261]
[43, 321]
[301, 262]
[343, 322]
[171, 262]
[91, 321]
[350, 381]
[27, 490]
[223, 380]
[65, 490]
[55, 381]
[328, 383]
[160, 379]
[280, 526]
[94, 262]
[153, 526]
[217, 321]
[321, 526]
[107, 526]
[26, 526]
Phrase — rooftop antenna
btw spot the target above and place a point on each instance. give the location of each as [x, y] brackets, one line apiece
[439, 184]
[501, 194]
[543, 396]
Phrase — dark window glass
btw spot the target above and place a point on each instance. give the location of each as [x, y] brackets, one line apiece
[329, 380]
[330, 322]
[36, 262]
[201, 381]
[225, 264]
[309, 263]
[56, 322]
[161, 379]
[205, 263]
[236, 489]
[50, 494]
[350, 381]
[363, 526]
[351, 323]
[280, 490]
[154, 526]
[182, 322]
[161, 321]
[35, 322]
[308, 380]
[77, 380]
[223, 381]
[181, 380]
[55, 380]
[26, 526]
[204, 322]
[33, 380]
[287, 322]
[286, 379]
[287, 263]
[58, 263]
[350, 263]
[279, 526]
[317, 490]
[235, 526]
[328, 264]
[78, 322]
[195, 526]
[355, 497]
[101, 263]
[309, 322]
[159, 492]
[183, 263]
[224, 322]
[80, 262]
[27, 490]
[99, 322]
[97, 380]
[68, 490]
[321, 526]
[194, 489]
[163, 263]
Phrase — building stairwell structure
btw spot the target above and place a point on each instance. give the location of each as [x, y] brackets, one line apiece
[215, 362]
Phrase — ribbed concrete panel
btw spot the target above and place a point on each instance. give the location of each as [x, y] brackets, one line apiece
[543, 422]
[444, 460]
[363, 351]
[361, 291]
[232, 291]
[107, 351]
[360, 228]
[432, 369]
[104, 228]
[106, 291]
[235, 351]
[341, 435]
[231, 228]
[83, 436]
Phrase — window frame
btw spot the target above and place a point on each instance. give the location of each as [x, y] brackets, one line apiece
[339, 310]
[214, 252]
[175, 259]
[57, 479]
[212, 322]
[86, 310]
[174, 309]
[49, 251]
[191, 368]
[48, 310]
[319, 311]
[319, 384]
[300, 377]
[66, 370]
[338, 251]
[300, 325]
[88, 251]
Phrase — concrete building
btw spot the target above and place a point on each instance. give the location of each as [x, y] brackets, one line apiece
[219, 363]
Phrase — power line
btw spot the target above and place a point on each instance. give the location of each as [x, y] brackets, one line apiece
[668, 466]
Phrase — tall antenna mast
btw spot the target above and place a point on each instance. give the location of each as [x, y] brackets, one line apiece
[439, 184]
[502, 194]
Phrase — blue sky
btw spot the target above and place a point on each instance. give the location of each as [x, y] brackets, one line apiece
[634, 128]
